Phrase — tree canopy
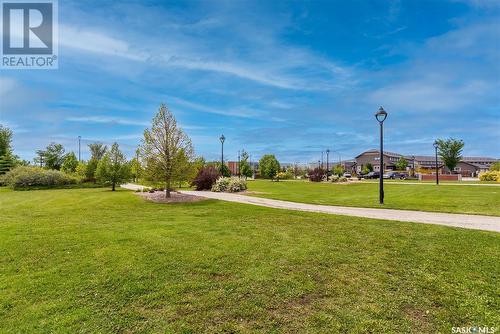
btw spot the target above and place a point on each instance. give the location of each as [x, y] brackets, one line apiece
[269, 166]
[245, 168]
[450, 151]
[165, 148]
[113, 167]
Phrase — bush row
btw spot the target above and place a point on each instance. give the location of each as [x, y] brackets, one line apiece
[24, 177]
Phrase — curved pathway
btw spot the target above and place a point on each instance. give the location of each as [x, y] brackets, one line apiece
[475, 222]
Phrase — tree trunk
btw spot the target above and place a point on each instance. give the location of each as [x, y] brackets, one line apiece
[167, 189]
[113, 187]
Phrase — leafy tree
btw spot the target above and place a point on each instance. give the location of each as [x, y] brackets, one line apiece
[338, 170]
[369, 166]
[81, 171]
[136, 166]
[269, 166]
[450, 151]
[53, 156]
[97, 150]
[245, 168]
[5, 140]
[225, 171]
[70, 163]
[495, 166]
[165, 147]
[401, 164]
[113, 167]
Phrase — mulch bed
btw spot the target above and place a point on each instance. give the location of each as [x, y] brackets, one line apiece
[159, 197]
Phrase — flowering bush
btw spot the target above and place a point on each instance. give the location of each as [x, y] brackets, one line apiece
[229, 184]
[490, 176]
[336, 178]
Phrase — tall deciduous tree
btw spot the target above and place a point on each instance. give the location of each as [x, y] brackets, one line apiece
[97, 152]
[245, 168]
[450, 151]
[53, 156]
[165, 147]
[269, 166]
[113, 167]
[401, 164]
[70, 163]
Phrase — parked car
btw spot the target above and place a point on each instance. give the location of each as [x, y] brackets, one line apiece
[372, 175]
[347, 175]
[395, 175]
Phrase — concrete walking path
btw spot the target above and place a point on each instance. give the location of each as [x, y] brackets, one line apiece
[475, 222]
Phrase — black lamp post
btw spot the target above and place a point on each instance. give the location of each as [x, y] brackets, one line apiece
[319, 164]
[222, 139]
[327, 167]
[381, 115]
[79, 147]
[413, 165]
[437, 167]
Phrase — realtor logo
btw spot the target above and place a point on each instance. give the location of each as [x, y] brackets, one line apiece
[29, 34]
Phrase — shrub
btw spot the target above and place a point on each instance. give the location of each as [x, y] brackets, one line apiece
[229, 184]
[336, 178]
[490, 176]
[206, 178]
[317, 174]
[23, 177]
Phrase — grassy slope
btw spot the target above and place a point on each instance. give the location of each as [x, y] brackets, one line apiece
[424, 197]
[89, 260]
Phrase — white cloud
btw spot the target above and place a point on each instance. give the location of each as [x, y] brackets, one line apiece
[106, 119]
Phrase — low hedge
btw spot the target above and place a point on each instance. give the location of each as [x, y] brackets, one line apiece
[24, 177]
[490, 176]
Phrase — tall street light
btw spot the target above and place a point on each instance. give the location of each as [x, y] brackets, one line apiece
[239, 170]
[437, 167]
[381, 115]
[222, 139]
[319, 164]
[327, 167]
[79, 147]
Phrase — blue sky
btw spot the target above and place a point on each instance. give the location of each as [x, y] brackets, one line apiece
[282, 77]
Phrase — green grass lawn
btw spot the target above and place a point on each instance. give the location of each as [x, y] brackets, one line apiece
[424, 197]
[93, 261]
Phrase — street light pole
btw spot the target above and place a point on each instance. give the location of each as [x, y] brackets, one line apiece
[437, 167]
[319, 164]
[239, 170]
[321, 159]
[79, 147]
[381, 115]
[222, 139]
[327, 167]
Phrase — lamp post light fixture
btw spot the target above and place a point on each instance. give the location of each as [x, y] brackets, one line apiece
[413, 165]
[327, 167]
[319, 164]
[381, 115]
[222, 139]
[437, 167]
[79, 147]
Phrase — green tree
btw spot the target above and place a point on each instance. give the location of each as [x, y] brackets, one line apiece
[113, 167]
[495, 166]
[70, 163]
[136, 167]
[165, 147]
[450, 151]
[7, 162]
[269, 166]
[97, 152]
[5, 140]
[401, 164]
[81, 171]
[53, 156]
[245, 168]
[338, 170]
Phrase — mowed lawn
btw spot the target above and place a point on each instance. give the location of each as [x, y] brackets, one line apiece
[483, 200]
[93, 261]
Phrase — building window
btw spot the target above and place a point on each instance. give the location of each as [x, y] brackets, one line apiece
[457, 169]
